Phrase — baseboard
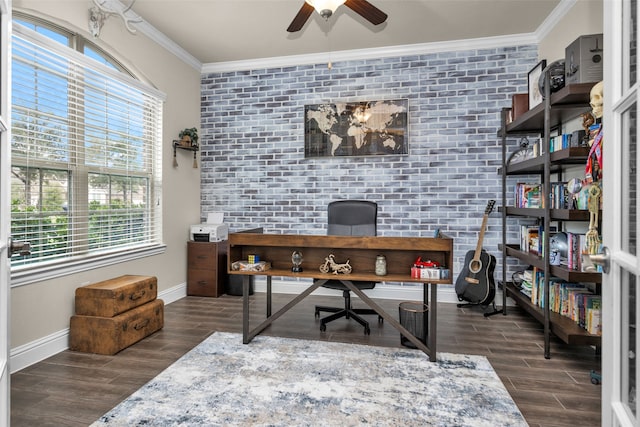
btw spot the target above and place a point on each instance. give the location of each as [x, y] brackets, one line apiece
[38, 350]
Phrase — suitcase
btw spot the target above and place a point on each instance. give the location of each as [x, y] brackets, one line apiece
[109, 335]
[114, 296]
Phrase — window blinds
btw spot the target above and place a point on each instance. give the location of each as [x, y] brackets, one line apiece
[86, 154]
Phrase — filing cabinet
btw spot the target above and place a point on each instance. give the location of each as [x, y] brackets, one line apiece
[206, 268]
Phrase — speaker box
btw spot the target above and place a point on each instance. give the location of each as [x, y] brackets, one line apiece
[583, 60]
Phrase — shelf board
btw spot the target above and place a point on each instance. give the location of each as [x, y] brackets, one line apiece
[554, 214]
[562, 327]
[560, 158]
[567, 103]
[556, 270]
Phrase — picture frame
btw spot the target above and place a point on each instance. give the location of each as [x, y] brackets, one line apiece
[535, 97]
[356, 128]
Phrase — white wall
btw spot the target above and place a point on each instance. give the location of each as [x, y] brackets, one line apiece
[585, 17]
[43, 309]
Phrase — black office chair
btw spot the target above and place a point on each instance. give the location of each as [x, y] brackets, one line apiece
[350, 218]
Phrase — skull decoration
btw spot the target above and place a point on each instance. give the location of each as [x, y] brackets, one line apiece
[596, 100]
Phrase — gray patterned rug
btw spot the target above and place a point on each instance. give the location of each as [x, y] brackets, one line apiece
[287, 382]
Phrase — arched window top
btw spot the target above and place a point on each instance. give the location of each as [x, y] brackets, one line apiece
[70, 39]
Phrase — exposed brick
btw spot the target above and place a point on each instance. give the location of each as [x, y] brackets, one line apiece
[252, 139]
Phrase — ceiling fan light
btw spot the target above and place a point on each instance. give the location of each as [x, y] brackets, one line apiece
[325, 7]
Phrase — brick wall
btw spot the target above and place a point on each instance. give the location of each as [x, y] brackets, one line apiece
[252, 135]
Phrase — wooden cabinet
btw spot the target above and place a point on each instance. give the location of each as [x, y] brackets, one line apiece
[568, 103]
[207, 268]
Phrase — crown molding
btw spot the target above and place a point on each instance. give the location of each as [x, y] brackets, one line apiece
[554, 18]
[373, 53]
[318, 58]
[138, 23]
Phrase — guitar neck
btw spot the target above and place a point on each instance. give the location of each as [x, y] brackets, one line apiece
[476, 255]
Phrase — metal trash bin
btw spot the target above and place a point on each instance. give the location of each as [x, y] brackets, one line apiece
[414, 318]
[234, 285]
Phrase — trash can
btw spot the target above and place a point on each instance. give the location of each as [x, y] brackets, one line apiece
[234, 285]
[413, 316]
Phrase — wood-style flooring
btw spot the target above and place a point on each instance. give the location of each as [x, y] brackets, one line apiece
[75, 389]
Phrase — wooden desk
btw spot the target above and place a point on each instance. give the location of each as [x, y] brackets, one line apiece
[400, 252]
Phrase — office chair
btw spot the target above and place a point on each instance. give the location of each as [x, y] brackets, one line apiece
[349, 218]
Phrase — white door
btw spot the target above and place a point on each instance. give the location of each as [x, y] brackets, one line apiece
[620, 229]
[5, 277]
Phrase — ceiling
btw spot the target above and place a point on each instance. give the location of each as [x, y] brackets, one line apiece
[215, 31]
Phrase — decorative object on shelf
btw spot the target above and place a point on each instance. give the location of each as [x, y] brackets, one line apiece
[558, 248]
[523, 153]
[593, 241]
[593, 169]
[296, 260]
[330, 265]
[556, 77]
[535, 97]
[188, 141]
[356, 128]
[248, 266]
[596, 99]
[188, 137]
[573, 187]
[381, 265]
[519, 105]
[584, 59]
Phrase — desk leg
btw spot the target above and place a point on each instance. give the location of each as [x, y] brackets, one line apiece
[268, 296]
[245, 309]
[432, 304]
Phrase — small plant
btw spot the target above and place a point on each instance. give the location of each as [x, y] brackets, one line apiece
[189, 137]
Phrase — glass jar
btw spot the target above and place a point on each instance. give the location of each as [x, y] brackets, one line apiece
[381, 265]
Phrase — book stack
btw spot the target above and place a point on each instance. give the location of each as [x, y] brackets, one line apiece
[573, 300]
[528, 195]
[560, 198]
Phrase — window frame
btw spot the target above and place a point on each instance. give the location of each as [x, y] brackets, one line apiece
[38, 271]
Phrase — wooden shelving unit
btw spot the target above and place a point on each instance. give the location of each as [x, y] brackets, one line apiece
[566, 104]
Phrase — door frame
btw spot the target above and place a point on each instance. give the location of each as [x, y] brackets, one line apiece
[5, 210]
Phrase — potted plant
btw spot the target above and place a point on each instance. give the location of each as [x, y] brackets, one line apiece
[189, 137]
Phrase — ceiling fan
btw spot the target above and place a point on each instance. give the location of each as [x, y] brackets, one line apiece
[326, 8]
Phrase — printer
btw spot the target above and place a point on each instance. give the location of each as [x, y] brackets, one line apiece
[214, 230]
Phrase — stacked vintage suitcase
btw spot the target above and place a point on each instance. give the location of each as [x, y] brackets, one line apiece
[116, 313]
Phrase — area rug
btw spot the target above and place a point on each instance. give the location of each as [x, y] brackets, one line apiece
[288, 382]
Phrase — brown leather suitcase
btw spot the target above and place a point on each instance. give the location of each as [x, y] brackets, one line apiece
[114, 296]
[109, 335]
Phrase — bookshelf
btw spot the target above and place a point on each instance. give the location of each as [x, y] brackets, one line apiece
[557, 108]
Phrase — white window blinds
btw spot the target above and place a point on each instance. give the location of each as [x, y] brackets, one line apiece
[86, 155]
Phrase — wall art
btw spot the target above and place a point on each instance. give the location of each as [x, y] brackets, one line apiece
[535, 97]
[367, 128]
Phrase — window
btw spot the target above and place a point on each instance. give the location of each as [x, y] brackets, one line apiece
[86, 166]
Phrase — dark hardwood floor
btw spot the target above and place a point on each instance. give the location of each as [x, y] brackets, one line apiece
[75, 389]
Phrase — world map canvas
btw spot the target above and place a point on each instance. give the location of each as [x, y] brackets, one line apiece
[356, 128]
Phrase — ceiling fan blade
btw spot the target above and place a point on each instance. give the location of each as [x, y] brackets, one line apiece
[367, 11]
[301, 18]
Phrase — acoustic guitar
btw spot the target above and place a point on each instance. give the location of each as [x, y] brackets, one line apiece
[475, 283]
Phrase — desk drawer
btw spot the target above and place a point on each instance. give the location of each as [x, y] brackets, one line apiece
[204, 283]
[202, 255]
